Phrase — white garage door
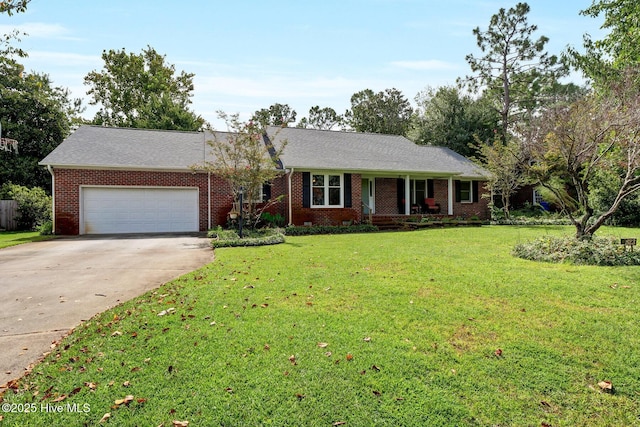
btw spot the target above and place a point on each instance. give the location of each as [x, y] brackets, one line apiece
[108, 210]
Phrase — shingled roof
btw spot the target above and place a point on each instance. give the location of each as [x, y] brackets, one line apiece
[359, 152]
[145, 149]
[127, 148]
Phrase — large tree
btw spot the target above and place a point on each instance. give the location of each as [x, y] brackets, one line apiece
[580, 143]
[276, 115]
[321, 118]
[142, 91]
[514, 69]
[448, 118]
[603, 59]
[387, 112]
[38, 116]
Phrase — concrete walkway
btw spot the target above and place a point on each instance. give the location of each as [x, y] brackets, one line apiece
[50, 287]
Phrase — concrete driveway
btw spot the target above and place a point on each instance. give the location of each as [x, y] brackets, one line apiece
[48, 288]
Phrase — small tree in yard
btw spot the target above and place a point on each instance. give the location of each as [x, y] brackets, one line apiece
[244, 160]
[578, 142]
[505, 166]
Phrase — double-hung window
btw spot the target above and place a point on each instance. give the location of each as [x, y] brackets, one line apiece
[326, 190]
[466, 195]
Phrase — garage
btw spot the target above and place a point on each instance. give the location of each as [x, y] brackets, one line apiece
[114, 210]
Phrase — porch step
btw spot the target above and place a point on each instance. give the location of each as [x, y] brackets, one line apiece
[386, 223]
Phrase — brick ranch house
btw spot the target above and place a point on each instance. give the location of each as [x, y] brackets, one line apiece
[122, 180]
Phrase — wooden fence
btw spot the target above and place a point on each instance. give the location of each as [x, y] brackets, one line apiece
[8, 213]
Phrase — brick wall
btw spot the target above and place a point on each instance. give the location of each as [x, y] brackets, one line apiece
[68, 182]
[386, 196]
[324, 216]
[466, 210]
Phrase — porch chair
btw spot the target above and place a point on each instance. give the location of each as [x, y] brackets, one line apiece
[431, 206]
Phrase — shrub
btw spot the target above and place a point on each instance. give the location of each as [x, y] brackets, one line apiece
[568, 249]
[34, 206]
[329, 229]
[229, 238]
[46, 229]
[272, 220]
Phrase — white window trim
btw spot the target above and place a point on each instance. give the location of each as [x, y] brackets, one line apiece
[326, 190]
[470, 192]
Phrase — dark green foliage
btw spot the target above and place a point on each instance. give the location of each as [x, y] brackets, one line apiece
[142, 91]
[321, 118]
[603, 194]
[329, 229]
[36, 115]
[34, 206]
[447, 118]
[273, 220]
[275, 115]
[387, 112]
[594, 251]
[230, 238]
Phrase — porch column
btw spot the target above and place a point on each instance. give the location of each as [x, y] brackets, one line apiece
[407, 196]
[450, 197]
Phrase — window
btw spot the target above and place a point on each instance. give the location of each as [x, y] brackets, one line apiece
[466, 195]
[326, 190]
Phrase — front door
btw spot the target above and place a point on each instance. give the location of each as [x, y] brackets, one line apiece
[368, 196]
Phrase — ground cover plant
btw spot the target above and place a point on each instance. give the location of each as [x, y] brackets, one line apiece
[222, 238]
[433, 327]
[567, 249]
[12, 238]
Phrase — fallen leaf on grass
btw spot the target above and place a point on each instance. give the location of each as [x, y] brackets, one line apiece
[105, 417]
[267, 347]
[292, 359]
[375, 368]
[349, 357]
[606, 386]
[339, 423]
[300, 396]
[126, 384]
[498, 352]
[116, 334]
[264, 305]
[377, 393]
[367, 339]
[92, 386]
[180, 423]
[127, 399]
[322, 344]
[60, 398]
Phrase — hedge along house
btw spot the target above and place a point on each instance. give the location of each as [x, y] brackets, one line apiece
[122, 180]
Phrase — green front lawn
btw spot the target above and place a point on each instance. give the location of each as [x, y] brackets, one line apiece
[434, 327]
[12, 238]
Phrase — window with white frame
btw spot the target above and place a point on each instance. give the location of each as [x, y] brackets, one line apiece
[466, 192]
[326, 190]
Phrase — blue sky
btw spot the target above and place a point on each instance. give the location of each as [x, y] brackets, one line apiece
[248, 54]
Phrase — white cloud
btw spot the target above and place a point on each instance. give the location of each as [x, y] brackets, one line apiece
[426, 65]
[39, 30]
